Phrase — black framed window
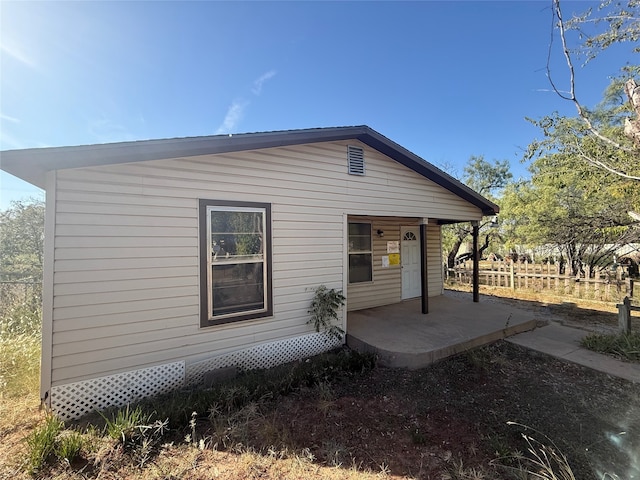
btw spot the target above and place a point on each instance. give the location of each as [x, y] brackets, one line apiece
[360, 253]
[235, 261]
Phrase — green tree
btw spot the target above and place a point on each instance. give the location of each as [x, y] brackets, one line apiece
[573, 210]
[488, 179]
[22, 240]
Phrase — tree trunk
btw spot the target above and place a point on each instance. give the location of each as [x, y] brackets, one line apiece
[483, 247]
[453, 253]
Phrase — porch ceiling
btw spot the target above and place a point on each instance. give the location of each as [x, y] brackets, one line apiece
[401, 336]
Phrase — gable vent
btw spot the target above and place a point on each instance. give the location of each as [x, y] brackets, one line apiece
[355, 156]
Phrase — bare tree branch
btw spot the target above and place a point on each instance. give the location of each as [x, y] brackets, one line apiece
[572, 88]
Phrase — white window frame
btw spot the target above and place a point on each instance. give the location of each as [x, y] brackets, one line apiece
[351, 252]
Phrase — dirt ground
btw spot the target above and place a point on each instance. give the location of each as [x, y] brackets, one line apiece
[422, 423]
[445, 422]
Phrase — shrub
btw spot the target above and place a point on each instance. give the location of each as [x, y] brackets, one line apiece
[324, 311]
[625, 346]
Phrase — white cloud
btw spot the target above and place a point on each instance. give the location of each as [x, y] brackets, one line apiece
[233, 117]
[17, 54]
[257, 84]
[236, 110]
[9, 119]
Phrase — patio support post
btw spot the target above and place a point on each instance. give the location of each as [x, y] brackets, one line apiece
[424, 277]
[476, 262]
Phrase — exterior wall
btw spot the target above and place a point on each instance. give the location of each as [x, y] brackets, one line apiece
[386, 287]
[434, 260]
[125, 264]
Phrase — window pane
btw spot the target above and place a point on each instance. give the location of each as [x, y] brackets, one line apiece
[237, 288]
[360, 267]
[359, 229]
[359, 237]
[237, 235]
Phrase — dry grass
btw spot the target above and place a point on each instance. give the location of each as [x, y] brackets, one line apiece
[544, 297]
[19, 402]
[190, 463]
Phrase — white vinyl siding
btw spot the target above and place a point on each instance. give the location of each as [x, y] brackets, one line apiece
[125, 265]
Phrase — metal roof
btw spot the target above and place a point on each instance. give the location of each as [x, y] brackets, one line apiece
[32, 164]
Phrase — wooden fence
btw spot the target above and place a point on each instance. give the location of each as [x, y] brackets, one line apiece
[604, 284]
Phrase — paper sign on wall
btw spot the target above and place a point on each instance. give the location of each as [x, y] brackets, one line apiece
[385, 261]
[393, 247]
[394, 259]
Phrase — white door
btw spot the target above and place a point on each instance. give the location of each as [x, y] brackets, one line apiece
[410, 260]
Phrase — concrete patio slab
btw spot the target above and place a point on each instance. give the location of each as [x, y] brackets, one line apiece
[402, 336]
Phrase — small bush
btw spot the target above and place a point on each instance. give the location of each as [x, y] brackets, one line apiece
[324, 311]
[622, 346]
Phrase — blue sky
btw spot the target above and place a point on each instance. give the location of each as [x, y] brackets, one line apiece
[446, 80]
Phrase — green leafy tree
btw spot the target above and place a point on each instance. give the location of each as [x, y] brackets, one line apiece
[577, 212]
[22, 240]
[488, 179]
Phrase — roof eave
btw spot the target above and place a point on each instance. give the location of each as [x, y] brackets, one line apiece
[32, 165]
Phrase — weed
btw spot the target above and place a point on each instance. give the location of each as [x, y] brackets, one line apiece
[41, 443]
[335, 453]
[456, 470]
[417, 437]
[623, 346]
[191, 436]
[134, 429]
[233, 429]
[385, 471]
[68, 446]
[544, 460]
[123, 424]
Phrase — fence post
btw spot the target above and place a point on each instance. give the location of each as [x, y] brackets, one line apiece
[512, 277]
[624, 316]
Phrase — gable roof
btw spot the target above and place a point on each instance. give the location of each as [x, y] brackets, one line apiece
[32, 164]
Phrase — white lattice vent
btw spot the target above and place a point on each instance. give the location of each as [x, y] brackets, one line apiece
[74, 400]
[265, 355]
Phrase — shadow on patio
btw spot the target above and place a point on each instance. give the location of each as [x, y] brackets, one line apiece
[402, 336]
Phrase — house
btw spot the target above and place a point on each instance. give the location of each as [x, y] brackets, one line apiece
[169, 259]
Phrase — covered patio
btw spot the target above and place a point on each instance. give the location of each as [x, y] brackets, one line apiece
[402, 336]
